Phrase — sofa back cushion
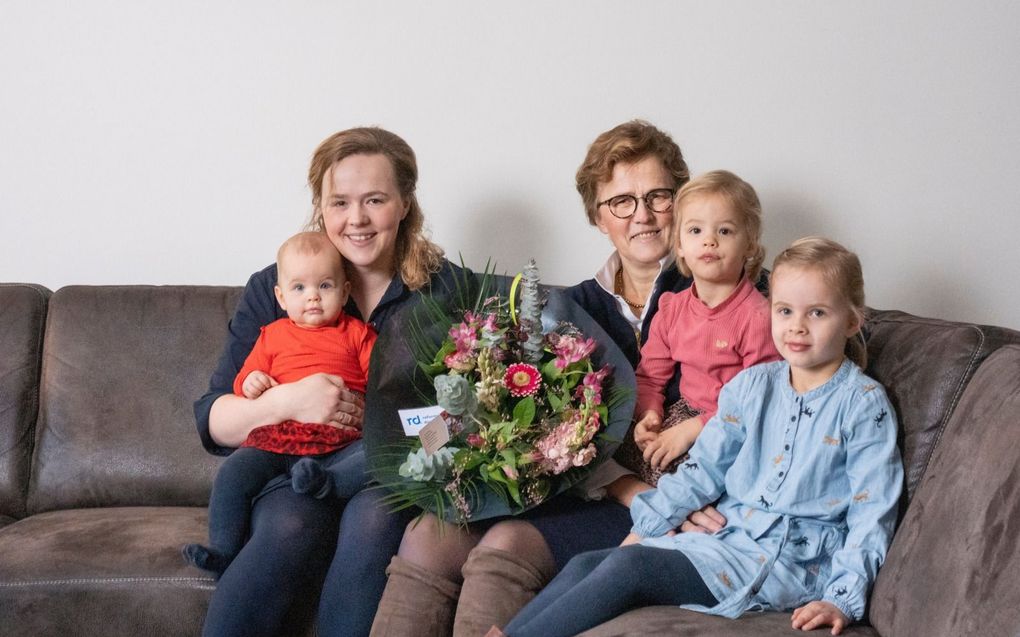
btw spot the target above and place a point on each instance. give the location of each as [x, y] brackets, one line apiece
[122, 366]
[952, 566]
[23, 316]
[925, 364]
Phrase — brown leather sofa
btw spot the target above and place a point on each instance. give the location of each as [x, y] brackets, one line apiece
[102, 477]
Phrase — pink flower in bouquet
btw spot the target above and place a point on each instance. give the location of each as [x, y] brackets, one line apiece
[475, 441]
[522, 379]
[571, 349]
[461, 361]
[568, 445]
[464, 335]
[591, 385]
[584, 456]
[510, 472]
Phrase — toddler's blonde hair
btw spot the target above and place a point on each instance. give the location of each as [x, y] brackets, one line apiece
[741, 197]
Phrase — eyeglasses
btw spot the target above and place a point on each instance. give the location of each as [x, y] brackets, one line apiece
[659, 200]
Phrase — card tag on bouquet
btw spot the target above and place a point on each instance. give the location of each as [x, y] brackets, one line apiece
[434, 435]
[414, 419]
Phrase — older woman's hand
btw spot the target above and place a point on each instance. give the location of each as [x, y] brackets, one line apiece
[707, 520]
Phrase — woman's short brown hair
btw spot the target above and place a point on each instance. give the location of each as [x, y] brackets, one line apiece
[629, 143]
[416, 258]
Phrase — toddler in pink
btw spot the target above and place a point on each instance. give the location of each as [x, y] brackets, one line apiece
[713, 329]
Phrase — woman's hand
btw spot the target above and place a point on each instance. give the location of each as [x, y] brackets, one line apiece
[632, 538]
[647, 429]
[671, 443]
[322, 398]
[707, 520]
[818, 614]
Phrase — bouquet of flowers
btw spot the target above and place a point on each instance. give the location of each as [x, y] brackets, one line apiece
[530, 397]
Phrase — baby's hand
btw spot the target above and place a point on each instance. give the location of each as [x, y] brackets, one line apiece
[647, 429]
[632, 538]
[256, 383]
[818, 614]
[672, 443]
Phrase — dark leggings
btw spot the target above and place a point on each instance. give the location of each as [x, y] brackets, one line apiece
[272, 587]
[597, 586]
[370, 535]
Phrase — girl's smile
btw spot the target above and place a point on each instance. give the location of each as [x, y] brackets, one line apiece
[811, 323]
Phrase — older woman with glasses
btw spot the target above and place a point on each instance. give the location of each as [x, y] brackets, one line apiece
[464, 580]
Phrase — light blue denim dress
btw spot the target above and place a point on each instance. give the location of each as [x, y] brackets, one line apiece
[809, 484]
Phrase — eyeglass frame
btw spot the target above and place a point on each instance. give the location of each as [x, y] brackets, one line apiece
[644, 198]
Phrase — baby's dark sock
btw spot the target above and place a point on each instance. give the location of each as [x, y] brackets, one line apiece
[308, 476]
[206, 558]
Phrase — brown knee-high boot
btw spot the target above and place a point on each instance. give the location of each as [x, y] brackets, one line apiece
[415, 602]
[497, 584]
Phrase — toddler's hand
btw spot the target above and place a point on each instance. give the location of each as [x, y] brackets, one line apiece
[647, 429]
[672, 443]
[818, 614]
[632, 538]
[256, 383]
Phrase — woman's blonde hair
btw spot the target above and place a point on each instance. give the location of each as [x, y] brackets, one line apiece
[415, 257]
[627, 143]
[742, 199]
[841, 269]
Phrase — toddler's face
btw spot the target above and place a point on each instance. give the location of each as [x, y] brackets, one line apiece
[811, 323]
[312, 288]
[713, 241]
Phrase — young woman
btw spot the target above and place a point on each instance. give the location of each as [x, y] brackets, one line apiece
[363, 184]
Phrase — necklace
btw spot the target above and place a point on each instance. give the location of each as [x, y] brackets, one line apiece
[618, 289]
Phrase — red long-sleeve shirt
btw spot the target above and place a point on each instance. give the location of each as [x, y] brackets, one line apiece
[711, 344]
[288, 353]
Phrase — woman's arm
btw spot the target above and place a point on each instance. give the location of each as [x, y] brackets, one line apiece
[317, 398]
[624, 488]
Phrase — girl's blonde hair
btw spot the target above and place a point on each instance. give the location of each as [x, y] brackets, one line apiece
[841, 269]
[416, 258]
[744, 201]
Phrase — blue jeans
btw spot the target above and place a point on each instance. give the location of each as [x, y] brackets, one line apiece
[272, 588]
[247, 471]
[597, 586]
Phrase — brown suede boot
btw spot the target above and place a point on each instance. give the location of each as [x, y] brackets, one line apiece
[497, 584]
[416, 602]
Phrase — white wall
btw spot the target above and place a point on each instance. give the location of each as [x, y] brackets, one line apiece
[167, 142]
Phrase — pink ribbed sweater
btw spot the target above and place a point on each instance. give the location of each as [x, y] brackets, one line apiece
[711, 344]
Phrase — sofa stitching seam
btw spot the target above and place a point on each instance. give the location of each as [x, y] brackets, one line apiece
[964, 381]
[109, 580]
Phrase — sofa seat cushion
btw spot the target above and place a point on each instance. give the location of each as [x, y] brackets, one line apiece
[669, 620]
[952, 568]
[108, 571]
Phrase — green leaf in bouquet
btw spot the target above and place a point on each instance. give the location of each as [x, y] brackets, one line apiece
[524, 411]
[510, 456]
[555, 402]
[550, 372]
[470, 459]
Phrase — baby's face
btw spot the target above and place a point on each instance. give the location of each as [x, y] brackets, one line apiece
[312, 288]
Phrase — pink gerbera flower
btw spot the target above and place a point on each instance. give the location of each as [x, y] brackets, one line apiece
[522, 379]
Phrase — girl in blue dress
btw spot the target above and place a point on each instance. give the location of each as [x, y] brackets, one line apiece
[802, 453]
